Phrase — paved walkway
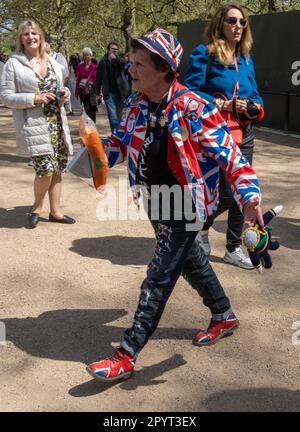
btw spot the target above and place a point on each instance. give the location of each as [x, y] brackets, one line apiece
[68, 292]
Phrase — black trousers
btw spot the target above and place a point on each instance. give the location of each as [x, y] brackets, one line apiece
[235, 220]
[89, 109]
[176, 253]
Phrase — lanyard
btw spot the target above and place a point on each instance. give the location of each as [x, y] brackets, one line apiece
[237, 86]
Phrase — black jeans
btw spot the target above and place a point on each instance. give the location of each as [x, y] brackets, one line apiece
[89, 109]
[177, 252]
[235, 220]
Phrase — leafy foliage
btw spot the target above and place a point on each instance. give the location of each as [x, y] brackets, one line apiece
[74, 24]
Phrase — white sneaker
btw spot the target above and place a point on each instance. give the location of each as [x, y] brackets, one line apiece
[238, 258]
[202, 238]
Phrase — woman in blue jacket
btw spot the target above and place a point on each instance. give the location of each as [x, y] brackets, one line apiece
[222, 72]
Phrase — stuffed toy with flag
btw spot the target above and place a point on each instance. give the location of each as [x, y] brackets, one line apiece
[258, 241]
[91, 139]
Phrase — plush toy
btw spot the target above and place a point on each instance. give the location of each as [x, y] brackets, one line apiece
[258, 241]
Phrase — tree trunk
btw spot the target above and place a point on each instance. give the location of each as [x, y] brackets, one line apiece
[60, 28]
[129, 24]
[272, 6]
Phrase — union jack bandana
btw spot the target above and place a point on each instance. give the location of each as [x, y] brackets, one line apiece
[161, 42]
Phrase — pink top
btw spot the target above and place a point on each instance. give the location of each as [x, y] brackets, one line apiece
[84, 73]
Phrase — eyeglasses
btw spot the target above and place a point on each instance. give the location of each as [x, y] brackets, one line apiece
[234, 20]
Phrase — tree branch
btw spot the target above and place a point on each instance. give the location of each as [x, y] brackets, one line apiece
[112, 26]
[5, 27]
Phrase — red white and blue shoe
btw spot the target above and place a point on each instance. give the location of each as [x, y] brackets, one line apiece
[217, 330]
[119, 366]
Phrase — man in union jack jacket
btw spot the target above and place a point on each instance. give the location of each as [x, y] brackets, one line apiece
[173, 139]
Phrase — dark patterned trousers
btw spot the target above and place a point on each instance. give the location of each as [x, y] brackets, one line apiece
[177, 252]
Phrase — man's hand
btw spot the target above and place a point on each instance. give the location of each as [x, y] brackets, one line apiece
[99, 99]
[112, 56]
[253, 213]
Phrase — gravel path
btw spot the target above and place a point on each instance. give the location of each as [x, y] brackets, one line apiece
[68, 292]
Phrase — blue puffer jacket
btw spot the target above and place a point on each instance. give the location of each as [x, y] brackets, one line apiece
[221, 79]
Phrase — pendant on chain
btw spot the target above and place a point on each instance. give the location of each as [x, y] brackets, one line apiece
[162, 122]
[152, 120]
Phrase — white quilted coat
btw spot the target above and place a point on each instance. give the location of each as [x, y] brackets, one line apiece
[18, 86]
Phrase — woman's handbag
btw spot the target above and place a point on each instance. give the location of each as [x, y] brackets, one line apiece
[84, 85]
[236, 129]
[93, 99]
[231, 118]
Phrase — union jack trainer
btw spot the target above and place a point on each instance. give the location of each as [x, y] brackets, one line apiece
[217, 330]
[119, 366]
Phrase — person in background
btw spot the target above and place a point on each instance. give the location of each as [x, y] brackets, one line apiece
[85, 83]
[127, 71]
[61, 60]
[4, 57]
[2, 62]
[73, 64]
[111, 84]
[59, 57]
[94, 60]
[32, 86]
[222, 72]
[172, 138]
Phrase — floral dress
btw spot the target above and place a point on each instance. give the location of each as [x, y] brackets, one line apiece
[56, 163]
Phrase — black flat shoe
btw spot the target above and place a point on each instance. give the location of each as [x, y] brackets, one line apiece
[64, 220]
[33, 219]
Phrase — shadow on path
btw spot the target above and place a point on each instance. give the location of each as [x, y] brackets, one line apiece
[281, 139]
[16, 217]
[286, 230]
[144, 377]
[4, 157]
[117, 249]
[76, 334]
[255, 399]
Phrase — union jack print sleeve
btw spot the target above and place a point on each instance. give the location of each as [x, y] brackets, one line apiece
[218, 144]
[115, 150]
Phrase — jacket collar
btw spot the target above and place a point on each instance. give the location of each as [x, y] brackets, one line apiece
[173, 90]
[21, 57]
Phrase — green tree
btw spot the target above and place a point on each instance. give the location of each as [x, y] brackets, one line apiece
[74, 24]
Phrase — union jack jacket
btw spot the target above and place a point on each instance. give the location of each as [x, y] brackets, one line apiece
[199, 144]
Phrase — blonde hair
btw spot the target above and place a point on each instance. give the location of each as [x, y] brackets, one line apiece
[216, 41]
[36, 27]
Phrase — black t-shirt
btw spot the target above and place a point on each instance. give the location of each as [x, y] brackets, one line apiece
[112, 76]
[153, 172]
[153, 168]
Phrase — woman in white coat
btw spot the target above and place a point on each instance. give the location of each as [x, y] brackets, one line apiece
[32, 85]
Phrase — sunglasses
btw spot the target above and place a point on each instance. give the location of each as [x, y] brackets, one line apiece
[234, 20]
